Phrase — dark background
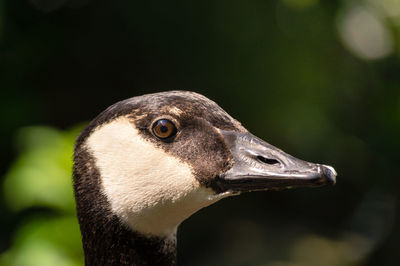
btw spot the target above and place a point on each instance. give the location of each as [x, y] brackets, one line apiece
[318, 79]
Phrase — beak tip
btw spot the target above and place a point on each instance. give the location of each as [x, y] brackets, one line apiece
[329, 173]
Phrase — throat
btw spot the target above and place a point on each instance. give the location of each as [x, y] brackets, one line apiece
[114, 244]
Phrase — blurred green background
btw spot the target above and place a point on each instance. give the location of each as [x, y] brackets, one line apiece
[318, 78]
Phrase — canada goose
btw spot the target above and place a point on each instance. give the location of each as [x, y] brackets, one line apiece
[147, 163]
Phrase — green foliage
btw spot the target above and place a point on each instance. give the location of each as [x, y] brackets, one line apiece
[41, 177]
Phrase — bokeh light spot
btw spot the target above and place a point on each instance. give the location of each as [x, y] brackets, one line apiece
[363, 33]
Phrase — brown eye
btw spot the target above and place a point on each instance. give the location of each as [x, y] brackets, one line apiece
[164, 129]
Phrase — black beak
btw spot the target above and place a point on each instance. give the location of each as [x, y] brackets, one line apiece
[260, 166]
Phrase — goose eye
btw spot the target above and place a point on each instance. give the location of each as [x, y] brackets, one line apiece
[164, 129]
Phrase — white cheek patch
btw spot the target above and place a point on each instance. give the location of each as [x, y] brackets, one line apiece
[150, 190]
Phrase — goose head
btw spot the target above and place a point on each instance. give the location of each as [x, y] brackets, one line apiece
[150, 162]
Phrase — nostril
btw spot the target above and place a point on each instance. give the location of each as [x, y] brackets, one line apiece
[267, 161]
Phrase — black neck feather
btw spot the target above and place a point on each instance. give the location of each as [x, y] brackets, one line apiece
[106, 241]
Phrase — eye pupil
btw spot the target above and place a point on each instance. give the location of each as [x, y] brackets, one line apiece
[164, 129]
